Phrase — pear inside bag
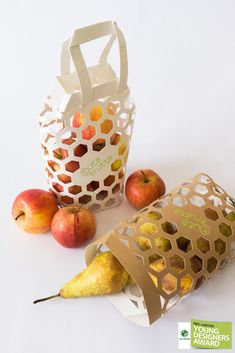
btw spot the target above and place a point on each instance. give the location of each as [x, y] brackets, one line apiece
[171, 247]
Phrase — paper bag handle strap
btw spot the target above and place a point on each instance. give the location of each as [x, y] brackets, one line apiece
[87, 34]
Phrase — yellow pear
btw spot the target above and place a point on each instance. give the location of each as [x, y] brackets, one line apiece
[104, 275]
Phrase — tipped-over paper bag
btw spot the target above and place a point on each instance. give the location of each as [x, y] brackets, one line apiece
[171, 247]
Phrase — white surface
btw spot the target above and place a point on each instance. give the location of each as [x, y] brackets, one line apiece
[182, 76]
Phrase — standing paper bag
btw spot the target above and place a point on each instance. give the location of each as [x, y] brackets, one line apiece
[87, 123]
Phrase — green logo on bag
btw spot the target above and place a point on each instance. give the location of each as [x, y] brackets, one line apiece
[96, 165]
[211, 334]
[193, 221]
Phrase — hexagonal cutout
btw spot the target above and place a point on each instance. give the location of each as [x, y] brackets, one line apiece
[148, 228]
[232, 248]
[116, 165]
[220, 246]
[110, 203]
[177, 263]
[106, 126]
[122, 149]
[217, 190]
[49, 174]
[184, 244]
[121, 174]
[162, 243]
[183, 191]
[143, 243]
[84, 199]
[72, 166]
[225, 229]
[88, 132]
[115, 138]
[127, 231]
[179, 201]
[96, 113]
[45, 150]
[78, 119]
[169, 283]
[160, 204]
[230, 201]
[211, 214]
[211, 264]
[154, 215]
[64, 178]
[57, 187]
[203, 245]
[185, 283]
[111, 108]
[75, 189]
[80, 150]
[215, 201]
[169, 227]
[204, 179]
[69, 138]
[197, 201]
[157, 263]
[93, 185]
[67, 199]
[60, 153]
[196, 263]
[229, 214]
[154, 279]
[53, 165]
[102, 195]
[116, 189]
[95, 207]
[98, 145]
[201, 189]
[109, 180]
[224, 263]
[199, 282]
[123, 119]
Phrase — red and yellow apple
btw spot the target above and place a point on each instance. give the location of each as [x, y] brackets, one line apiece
[34, 209]
[72, 226]
[96, 113]
[143, 187]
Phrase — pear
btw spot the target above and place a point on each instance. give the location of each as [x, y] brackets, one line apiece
[168, 283]
[104, 275]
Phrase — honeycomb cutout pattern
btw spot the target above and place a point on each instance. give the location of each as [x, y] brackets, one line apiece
[86, 151]
[181, 241]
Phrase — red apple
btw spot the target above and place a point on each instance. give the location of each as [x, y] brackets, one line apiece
[34, 209]
[143, 187]
[72, 226]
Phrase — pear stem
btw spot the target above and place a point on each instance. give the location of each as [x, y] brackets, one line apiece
[46, 298]
[145, 178]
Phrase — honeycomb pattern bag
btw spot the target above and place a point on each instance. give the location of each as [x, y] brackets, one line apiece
[171, 247]
[87, 122]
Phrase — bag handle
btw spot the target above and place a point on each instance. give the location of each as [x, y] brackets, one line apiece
[87, 34]
[65, 55]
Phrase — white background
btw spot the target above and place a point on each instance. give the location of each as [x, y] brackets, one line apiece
[182, 76]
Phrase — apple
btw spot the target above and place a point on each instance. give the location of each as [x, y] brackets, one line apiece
[78, 119]
[143, 187]
[34, 209]
[72, 226]
[96, 114]
[115, 139]
[88, 132]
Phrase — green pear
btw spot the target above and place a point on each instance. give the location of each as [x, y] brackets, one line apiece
[104, 275]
